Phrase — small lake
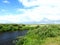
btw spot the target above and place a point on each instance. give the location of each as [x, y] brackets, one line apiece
[6, 38]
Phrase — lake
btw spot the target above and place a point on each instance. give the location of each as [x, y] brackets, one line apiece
[7, 38]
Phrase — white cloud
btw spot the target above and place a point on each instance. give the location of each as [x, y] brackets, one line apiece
[18, 18]
[29, 3]
[6, 1]
[53, 17]
[46, 9]
[26, 18]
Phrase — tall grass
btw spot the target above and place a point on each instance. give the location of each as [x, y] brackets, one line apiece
[39, 35]
[11, 27]
[14, 27]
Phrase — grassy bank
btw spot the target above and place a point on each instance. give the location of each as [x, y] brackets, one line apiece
[41, 35]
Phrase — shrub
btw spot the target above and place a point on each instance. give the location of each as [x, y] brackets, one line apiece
[38, 36]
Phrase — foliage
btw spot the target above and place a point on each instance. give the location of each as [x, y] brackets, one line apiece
[15, 27]
[39, 35]
[12, 27]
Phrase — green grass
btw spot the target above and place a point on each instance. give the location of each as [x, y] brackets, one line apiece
[43, 35]
[13, 27]
[52, 41]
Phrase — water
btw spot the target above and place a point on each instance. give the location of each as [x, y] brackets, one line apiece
[6, 38]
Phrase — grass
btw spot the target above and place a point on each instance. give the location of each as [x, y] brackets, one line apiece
[42, 35]
[52, 41]
[14, 27]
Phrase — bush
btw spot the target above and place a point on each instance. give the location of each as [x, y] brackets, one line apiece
[38, 36]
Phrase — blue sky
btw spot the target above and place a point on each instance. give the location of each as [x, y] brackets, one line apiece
[25, 11]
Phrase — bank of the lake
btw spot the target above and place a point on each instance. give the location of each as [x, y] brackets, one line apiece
[14, 27]
[43, 35]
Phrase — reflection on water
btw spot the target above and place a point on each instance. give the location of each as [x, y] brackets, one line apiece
[6, 38]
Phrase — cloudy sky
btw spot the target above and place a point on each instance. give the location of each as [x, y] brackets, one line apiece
[25, 11]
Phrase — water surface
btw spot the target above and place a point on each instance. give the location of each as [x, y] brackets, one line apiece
[6, 38]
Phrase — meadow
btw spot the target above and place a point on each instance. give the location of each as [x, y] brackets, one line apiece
[38, 34]
[45, 34]
[13, 27]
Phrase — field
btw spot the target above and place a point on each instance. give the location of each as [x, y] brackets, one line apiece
[16, 27]
[13, 27]
[41, 35]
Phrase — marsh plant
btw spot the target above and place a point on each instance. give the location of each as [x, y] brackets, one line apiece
[42, 36]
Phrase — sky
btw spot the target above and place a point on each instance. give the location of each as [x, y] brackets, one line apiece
[29, 11]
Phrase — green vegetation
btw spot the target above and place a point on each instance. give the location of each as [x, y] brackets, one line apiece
[43, 34]
[15, 27]
[48, 34]
[12, 27]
